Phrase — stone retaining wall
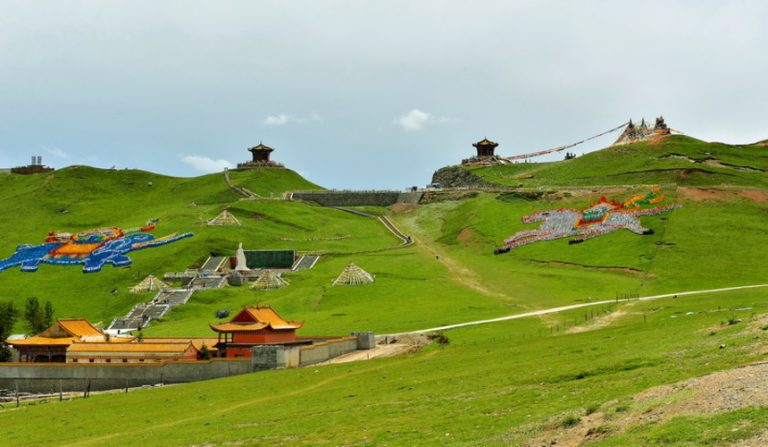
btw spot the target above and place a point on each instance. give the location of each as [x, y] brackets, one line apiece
[323, 351]
[357, 198]
[47, 377]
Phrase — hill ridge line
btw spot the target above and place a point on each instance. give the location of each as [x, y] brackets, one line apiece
[571, 307]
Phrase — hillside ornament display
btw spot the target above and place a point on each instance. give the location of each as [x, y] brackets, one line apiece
[92, 249]
[602, 217]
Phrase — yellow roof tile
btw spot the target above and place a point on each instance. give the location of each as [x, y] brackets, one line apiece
[79, 327]
[196, 342]
[43, 341]
[128, 347]
[267, 315]
[238, 327]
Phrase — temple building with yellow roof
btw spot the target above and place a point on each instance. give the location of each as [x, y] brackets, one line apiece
[78, 341]
[78, 356]
[257, 325]
[108, 352]
[247, 336]
[51, 344]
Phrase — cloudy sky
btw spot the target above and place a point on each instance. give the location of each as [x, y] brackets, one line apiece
[374, 94]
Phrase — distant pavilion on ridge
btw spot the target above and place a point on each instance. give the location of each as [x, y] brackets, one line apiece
[485, 148]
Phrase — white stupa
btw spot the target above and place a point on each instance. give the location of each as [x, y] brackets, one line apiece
[241, 266]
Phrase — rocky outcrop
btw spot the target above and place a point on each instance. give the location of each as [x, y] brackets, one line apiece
[444, 196]
[456, 177]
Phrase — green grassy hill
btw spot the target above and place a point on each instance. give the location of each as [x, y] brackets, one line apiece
[80, 198]
[519, 382]
[676, 159]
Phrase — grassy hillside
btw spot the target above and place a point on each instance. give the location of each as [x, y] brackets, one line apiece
[268, 182]
[493, 385]
[720, 232]
[520, 382]
[677, 159]
[81, 198]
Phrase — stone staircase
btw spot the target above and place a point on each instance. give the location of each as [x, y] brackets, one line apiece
[142, 314]
[306, 262]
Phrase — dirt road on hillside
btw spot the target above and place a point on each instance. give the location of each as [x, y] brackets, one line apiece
[576, 306]
[459, 273]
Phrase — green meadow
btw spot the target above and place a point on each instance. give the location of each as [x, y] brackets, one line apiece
[677, 159]
[506, 383]
[497, 384]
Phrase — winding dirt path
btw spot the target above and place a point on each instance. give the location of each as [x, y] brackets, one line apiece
[459, 273]
[575, 306]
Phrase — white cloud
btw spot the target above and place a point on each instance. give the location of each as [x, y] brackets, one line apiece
[206, 164]
[277, 120]
[281, 119]
[417, 120]
[56, 152]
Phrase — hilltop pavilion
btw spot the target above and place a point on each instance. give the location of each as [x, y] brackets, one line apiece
[485, 148]
[260, 153]
[260, 158]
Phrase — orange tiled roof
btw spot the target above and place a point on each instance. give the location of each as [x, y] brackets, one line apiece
[79, 327]
[117, 340]
[63, 333]
[196, 342]
[43, 341]
[267, 315]
[128, 347]
[238, 327]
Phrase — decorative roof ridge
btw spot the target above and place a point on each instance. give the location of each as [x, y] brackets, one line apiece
[485, 142]
[64, 327]
[261, 147]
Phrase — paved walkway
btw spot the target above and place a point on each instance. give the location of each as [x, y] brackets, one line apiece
[573, 306]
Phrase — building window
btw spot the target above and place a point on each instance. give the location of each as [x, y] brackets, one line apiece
[125, 360]
[108, 360]
[90, 360]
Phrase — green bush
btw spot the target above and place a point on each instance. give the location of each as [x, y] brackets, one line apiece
[570, 421]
